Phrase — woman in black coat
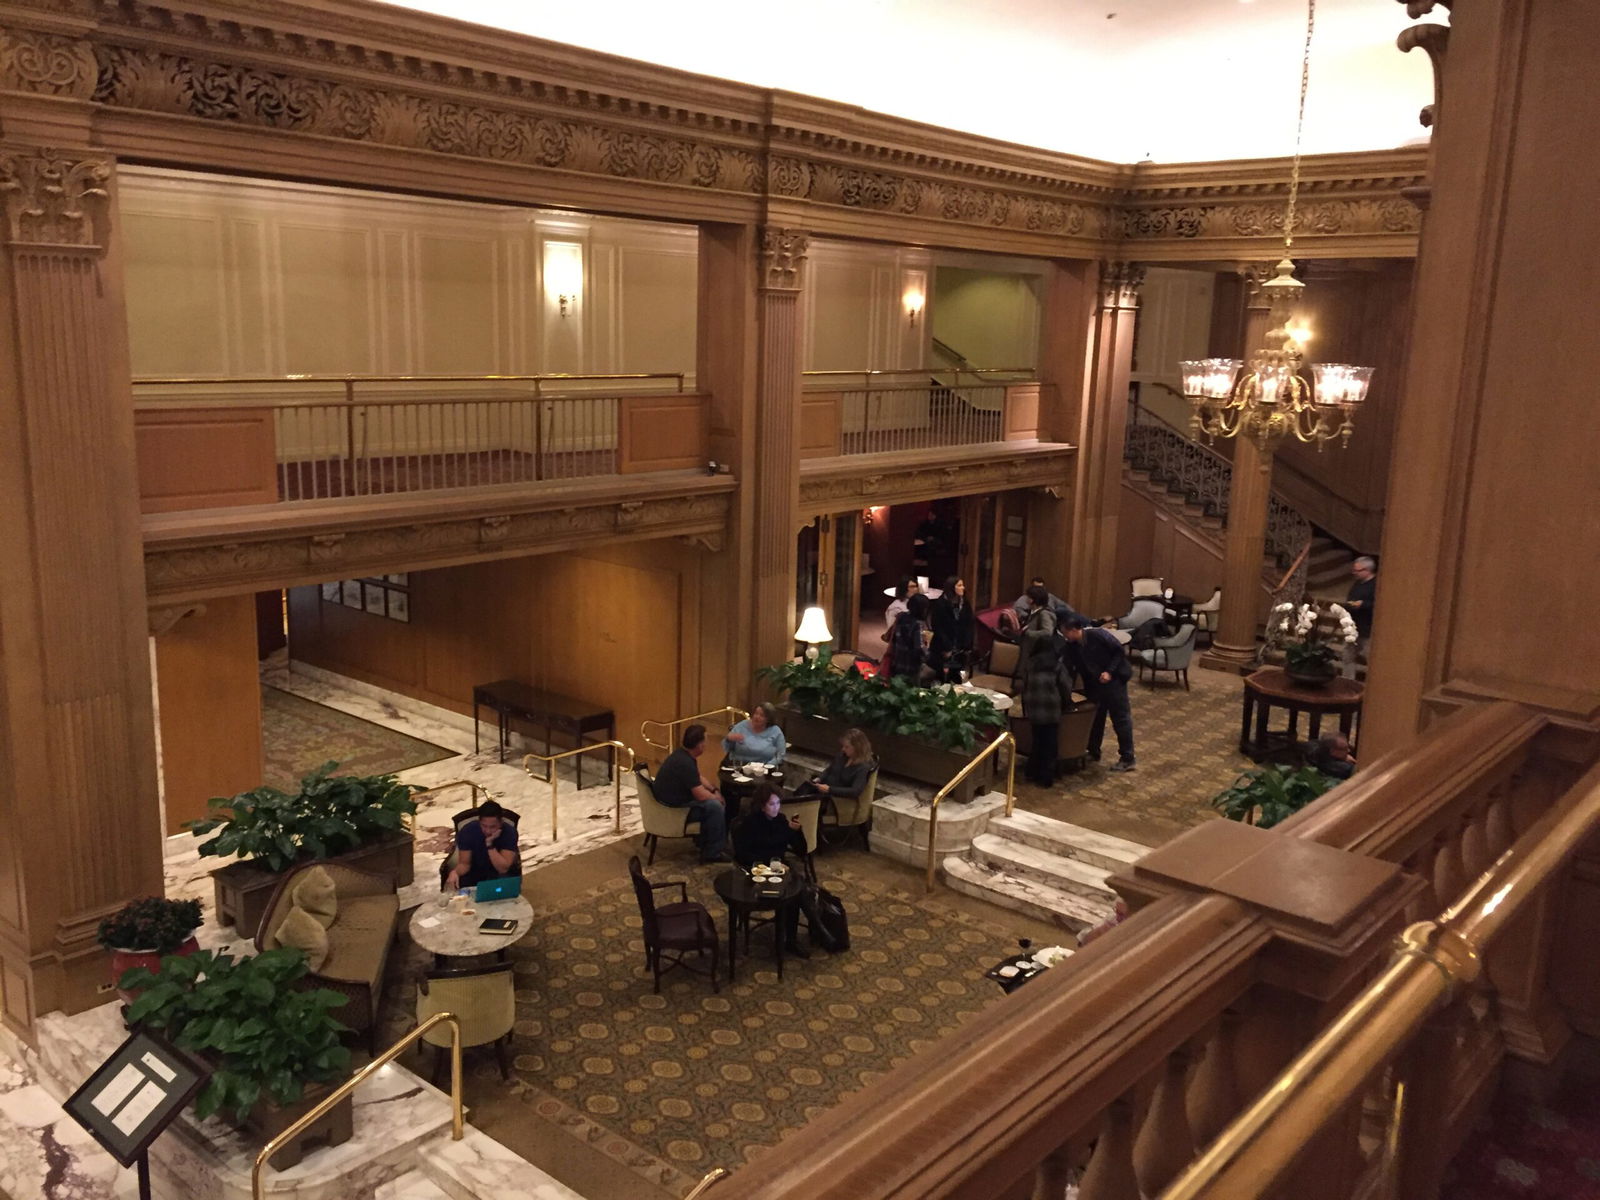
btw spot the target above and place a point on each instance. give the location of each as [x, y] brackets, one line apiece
[953, 628]
[767, 834]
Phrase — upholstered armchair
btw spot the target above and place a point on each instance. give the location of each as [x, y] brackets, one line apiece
[484, 1001]
[681, 927]
[1146, 609]
[853, 812]
[809, 810]
[660, 820]
[464, 817]
[1001, 673]
[1208, 616]
[1147, 585]
[1169, 654]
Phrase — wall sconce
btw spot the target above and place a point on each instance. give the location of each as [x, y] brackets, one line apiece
[563, 274]
[913, 301]
[869, 515]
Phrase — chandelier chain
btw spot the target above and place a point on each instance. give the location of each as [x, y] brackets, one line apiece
[1299, 129]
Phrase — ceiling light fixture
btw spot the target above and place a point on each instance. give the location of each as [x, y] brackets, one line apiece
[1272, 399]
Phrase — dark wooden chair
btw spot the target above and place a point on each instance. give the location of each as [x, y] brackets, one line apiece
[471, 814]
[678, 928]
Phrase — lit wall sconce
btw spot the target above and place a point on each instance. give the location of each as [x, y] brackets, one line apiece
[913, 301]
[563, 274]
[869, 515]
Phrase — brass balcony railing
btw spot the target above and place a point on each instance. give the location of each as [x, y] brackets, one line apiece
[727, 714]
[989, 751]
[553, 777]
[457, 1114]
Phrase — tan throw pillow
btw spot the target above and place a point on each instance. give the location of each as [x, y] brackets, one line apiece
[314, 892]
[301, 930]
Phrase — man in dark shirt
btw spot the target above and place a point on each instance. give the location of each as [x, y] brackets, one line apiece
[1101, 663]
[679, 785]
[486, 848]
[1361, 602]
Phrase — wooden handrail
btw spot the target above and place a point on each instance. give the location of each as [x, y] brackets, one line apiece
[709, 1178]
[1433, 959]
[553, 778]
[457, 1115]
[993, 747]
[1293, 567]
[727, 710]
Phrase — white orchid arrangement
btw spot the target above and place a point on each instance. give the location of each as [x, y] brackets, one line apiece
[1310, 635]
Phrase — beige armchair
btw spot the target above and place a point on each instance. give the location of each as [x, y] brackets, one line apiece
[1208, 616]
[660, 820]
[809, 811]
[484, 1001]
[853, 812]
[1146, 585]
[1001, 675]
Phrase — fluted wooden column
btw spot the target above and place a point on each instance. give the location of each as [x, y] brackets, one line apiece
[1101, 434]
[775, 486]
[79, 817]
[1234, 645]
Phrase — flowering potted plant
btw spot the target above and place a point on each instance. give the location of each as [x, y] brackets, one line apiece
[1312, 639]
[142, 931]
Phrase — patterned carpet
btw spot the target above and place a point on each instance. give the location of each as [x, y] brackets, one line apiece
[672, 1085]
[298, 735]
[1530, 1152]
[1187, 747]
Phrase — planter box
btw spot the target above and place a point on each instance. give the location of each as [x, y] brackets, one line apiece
[335, 1127]
[907, 757]
[243, 890]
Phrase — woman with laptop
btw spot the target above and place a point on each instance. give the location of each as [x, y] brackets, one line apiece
[486, 848]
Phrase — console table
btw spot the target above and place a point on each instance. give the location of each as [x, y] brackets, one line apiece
[1271, 688]
[511, 700]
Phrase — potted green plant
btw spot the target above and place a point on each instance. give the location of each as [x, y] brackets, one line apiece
[273, 1044]
[143, 931]
[1312, 639]
[926, 734]
[1266, 795]
[357, 819]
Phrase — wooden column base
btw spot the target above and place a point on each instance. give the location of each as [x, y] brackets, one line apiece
[1237, 660]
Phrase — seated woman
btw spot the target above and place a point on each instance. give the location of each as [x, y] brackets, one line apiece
[486, 848]
[846, 776]
[756, 739]
[908, 642]
[767, 834]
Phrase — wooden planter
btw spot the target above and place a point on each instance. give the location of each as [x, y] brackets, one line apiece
[266, 1120]
[242, 890]
[908, 757]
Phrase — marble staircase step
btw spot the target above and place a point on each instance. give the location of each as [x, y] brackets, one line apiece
[413, 1185]
[1069, 910]
[480, 1168]
[1041, 866]
[1068, 840]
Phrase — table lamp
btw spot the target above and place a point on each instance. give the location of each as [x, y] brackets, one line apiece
[813, 631]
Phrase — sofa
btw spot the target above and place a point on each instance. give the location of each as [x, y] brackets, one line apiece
[358, 916]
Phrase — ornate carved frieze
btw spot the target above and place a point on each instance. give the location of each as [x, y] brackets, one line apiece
[843, 484]
[53, 199]
[1241, 218]
[782, 253]
[185, 569]
[47, 64]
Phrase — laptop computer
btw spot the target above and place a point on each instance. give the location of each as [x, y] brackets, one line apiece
[504, 888]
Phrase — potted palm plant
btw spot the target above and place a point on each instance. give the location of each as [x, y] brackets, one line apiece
[356, 819]
[143, 931]
[273, 1044]
[1266, 795]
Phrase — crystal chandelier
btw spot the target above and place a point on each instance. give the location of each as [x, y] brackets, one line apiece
[1271, 399]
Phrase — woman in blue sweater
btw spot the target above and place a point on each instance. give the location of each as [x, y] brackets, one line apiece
[757, 739]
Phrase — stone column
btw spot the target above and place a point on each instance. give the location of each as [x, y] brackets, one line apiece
[1101, 433]
[775, 485]
[1234, 644]
[79, 816]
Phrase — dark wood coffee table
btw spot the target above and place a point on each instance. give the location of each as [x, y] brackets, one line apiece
[1271, 688]
[511, 700]
[743, 898]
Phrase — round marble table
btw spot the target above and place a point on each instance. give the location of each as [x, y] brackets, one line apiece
[451, 932]
[999, 699]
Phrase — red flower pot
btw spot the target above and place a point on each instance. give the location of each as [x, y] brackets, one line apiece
[126, 960]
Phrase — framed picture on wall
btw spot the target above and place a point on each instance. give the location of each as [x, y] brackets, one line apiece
[375, 599]
[399, 606]
[351, 593]
[331, 592]
[1014, 524]
[402, 579]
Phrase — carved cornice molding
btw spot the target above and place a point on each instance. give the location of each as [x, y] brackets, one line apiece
[179, 571]
[783, 252]
[845, 484]
[52, 199]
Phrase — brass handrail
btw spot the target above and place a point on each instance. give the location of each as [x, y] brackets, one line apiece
[457, 1120]
[146, 381]
[408, 822]
[554, 779]
[1004, 739]
[725, 711]
[1431, 960]
[706, 1181]
[925, 371]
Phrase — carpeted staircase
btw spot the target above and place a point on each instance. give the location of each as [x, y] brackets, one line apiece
[1049, 869]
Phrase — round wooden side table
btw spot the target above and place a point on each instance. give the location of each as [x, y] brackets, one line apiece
[1271, 688]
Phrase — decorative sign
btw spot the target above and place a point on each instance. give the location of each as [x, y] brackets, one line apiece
[135, 1094]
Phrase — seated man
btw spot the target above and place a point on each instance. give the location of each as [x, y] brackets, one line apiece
[679, 785]
[1025, 604]
[756, 739]
[486, 848]
[1331, 755]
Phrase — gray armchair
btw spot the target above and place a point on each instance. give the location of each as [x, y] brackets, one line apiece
[1169, 654]
[1148, 609]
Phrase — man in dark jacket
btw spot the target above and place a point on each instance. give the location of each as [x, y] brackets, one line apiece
[1099, 660]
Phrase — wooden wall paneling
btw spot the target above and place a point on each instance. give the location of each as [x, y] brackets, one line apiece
[209, 693]
[662, 433]
[205, 458]
[458, 304]
[327, 298]
[1022, 412]
[820, 428]
[399, 335]
[658, 326]
[252, 330]
[177, 297]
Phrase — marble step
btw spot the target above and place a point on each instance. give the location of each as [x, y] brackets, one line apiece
[413, 1185]
[480, 1168]
[1053, 870]
[1069, 910]
[1068, 840]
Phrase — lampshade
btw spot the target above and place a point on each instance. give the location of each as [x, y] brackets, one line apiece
[813, 627]
[1341, 384]
[1211, 378]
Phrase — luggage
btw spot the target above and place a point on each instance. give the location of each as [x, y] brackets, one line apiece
[830, 928]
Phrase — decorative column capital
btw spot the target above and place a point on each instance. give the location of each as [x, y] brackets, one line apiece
[782, 252]
[1255, 275]
[54, 199]
[1120, 283]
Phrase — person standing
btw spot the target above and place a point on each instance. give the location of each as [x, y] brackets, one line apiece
[908, 640]
[902, 597]
[1099, 660]
[1046, 691]
[1361, 602]
[953, 630]
[679, 785]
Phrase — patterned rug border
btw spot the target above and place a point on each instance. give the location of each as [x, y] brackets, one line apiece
[393, 737]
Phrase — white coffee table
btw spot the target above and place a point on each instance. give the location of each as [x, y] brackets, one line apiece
[450, 932]
[999, 699]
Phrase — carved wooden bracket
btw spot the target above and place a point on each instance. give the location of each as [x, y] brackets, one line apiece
[713, 542]
[324, 547]
[164, 617]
